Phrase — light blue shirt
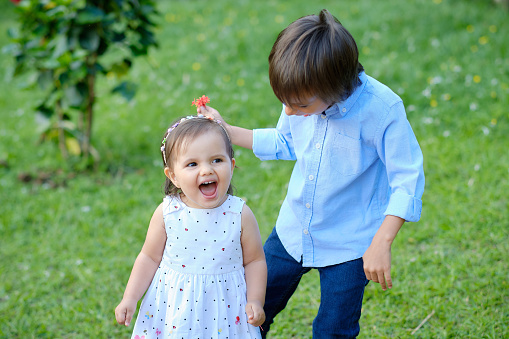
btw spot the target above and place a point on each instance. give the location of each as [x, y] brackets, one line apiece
[356, 163]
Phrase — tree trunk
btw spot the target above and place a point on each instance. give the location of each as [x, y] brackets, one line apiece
[89, 110]
[61, 134]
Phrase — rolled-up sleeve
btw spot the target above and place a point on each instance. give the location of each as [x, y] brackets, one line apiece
[274, 143]
[404, 206]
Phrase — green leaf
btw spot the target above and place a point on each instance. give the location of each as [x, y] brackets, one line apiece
[45, 80]
[90, 15]
[13, 32]
[75, 95]
[73, 146]
[61, 46]
[121, 68]
[89, 39]
[126, 89]
[12, 49]
[50, 64]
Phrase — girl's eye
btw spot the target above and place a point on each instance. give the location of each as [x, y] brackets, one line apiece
[191, 164]
[217, 160]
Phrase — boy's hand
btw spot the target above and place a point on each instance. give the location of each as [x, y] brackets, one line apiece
[377, 263]
[124, 311]
[210, 112]
[377, 259]
[255, 313]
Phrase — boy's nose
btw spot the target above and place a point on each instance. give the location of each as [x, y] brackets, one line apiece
[289, 111]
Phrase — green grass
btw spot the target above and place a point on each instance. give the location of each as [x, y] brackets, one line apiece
[67, 244]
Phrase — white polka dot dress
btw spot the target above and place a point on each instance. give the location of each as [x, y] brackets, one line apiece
[199, 289]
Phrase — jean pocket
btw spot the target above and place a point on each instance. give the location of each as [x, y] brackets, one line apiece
[350, 156]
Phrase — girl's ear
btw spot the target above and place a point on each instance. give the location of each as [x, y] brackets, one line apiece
[233, 164]
[170, 175]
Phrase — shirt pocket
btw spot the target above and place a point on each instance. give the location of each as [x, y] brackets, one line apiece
[350, 156]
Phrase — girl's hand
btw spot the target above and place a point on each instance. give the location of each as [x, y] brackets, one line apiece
[255, 313]
[124, 311]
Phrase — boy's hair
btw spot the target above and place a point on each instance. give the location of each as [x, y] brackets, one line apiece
[314, 55]
[178, 136]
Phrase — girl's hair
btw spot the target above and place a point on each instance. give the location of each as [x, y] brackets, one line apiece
[314, 55]
[178, 136]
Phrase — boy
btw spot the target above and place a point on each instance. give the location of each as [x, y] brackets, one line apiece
[358, 173]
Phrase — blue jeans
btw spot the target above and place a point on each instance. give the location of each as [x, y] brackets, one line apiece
[342, 290]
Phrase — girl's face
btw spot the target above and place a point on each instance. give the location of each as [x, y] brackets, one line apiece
[307, 106]
[202, 169]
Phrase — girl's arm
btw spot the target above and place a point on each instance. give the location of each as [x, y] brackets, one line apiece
[255, 267]
[377, 259]
[239, 136]
[144, 268]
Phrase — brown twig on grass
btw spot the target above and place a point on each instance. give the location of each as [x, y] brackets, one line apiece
[423, 322]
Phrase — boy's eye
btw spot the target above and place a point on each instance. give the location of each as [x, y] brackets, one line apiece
[191, 164]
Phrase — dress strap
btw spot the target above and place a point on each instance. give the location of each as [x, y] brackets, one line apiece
[233, 204]
[171, 205]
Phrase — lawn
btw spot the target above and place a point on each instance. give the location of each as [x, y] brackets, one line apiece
[69, 238]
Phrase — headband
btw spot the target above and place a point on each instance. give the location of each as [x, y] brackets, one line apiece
[189, 117]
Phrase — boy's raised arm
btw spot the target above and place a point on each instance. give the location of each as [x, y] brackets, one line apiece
[239, 136]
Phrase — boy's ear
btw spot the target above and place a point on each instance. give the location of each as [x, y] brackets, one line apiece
[170, 175]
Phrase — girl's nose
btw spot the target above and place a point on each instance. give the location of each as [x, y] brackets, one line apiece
[206, 169]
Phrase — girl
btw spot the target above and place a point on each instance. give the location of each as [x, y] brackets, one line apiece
[203, 252]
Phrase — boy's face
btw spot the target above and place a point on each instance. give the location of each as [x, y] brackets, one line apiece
[306, 106]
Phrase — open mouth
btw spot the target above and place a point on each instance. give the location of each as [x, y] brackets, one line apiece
[208, 188]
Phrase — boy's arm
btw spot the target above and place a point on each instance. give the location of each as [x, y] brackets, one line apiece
[144, 268]
[255, 267]
[239, 136]
[399, 150]
[377, 258]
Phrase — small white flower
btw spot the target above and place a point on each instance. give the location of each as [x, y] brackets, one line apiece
[473, 106]
[436, 80]
[427, 92]
[85, 209]
[427, 120]
[446, 134]
[485, 130]
[477, 167]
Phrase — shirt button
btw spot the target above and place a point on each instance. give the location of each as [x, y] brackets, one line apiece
[318, 146]
[323, 116]
[311, 177]
[308, 205]
[306, 232]
[344, 109]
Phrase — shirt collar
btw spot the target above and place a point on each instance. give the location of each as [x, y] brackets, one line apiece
[343, 107]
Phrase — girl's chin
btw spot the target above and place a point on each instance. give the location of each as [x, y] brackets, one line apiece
[205, 201]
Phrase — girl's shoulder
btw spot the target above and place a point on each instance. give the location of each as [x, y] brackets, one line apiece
[233, 204]
[172, 204]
